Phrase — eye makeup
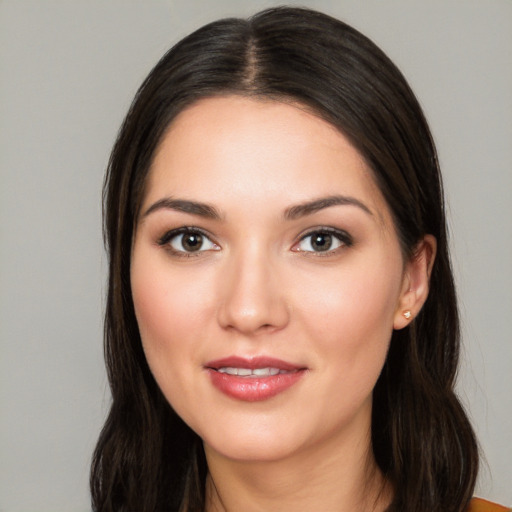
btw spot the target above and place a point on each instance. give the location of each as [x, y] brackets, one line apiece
[187, 241]
[323, 241]
[191, 241]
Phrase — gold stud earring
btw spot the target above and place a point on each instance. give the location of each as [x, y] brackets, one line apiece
[407, 314]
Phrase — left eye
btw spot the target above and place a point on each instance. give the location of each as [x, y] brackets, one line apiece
[188, 241]
[321, 241]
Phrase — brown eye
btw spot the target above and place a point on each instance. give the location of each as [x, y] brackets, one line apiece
[191, 242]
[187, 240]
[323, 240]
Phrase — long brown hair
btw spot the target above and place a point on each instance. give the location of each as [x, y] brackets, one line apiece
[147, 458]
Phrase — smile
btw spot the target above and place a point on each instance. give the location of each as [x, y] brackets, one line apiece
[253, 380]
[248, 372]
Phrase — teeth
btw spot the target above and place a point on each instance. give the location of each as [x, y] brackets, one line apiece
[229, 371]
[247, 372]
[265, 371]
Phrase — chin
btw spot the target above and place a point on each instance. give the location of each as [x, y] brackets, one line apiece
[257, 441]
[252, 450]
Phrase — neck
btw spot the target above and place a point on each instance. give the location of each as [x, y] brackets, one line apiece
[317, 479]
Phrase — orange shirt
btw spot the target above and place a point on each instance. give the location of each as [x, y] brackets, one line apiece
[480, 505]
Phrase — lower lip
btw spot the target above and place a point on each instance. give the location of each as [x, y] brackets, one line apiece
[254, 389]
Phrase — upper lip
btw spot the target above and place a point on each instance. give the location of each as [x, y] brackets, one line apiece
[252, 363]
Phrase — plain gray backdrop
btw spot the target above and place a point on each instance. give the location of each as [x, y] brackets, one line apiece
[68, 71]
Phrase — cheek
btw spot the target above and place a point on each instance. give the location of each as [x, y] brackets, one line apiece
[171, 310]
[350, 317]
[352, 299]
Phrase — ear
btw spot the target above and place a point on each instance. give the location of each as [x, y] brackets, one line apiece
[415, 284]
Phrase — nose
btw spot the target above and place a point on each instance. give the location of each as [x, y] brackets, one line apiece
[252, 295]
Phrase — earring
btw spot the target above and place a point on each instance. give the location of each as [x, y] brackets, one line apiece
[407, 314]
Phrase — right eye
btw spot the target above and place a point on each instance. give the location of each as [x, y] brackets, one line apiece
[186, 241]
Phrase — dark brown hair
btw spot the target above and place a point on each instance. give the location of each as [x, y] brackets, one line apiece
[146, 457]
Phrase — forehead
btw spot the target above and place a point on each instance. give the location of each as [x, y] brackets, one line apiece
[257, 150]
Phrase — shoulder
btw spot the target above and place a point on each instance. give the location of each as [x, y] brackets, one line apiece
[480, 505]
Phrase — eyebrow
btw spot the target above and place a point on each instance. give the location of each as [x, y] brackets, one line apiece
[294, 212]
[185, 206]
[301, 210]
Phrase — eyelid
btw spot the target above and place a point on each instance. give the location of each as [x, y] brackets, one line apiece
[165, 241]
[341, 235]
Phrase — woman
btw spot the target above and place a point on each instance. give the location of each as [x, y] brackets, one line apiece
[281, 328]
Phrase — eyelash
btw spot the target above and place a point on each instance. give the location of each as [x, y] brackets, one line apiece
[166, 239]
[342, 236]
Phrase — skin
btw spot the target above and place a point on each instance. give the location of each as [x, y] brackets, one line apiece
[258, 287]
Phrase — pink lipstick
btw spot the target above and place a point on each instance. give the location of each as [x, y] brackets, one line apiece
[254, 379]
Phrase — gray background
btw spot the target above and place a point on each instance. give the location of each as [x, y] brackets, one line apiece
[68, 71]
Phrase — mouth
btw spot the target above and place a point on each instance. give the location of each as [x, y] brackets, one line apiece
[248, 372]
[253, 379]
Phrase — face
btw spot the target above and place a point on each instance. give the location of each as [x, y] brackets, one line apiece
[267, 278]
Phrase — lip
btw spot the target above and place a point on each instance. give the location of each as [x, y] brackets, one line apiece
[253, 389]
